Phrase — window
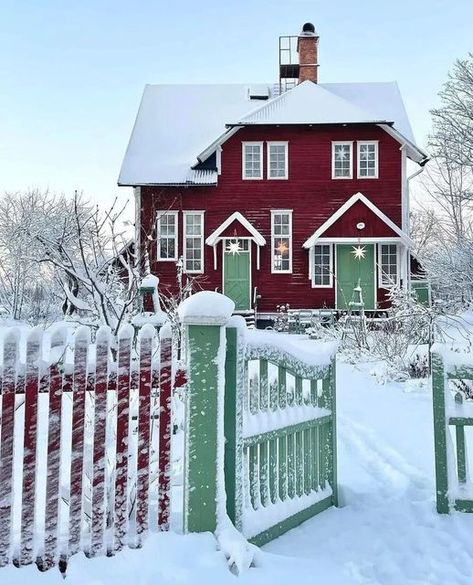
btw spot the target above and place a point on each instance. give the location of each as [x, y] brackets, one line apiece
[252, 160]
[342, 160]
[281, 241]
[167, 235]
[368, 160]
[322, 275]
[388, 264]
[277, 160]
[193, 241]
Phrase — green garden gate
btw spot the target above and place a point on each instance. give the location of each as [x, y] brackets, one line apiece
[260, 425]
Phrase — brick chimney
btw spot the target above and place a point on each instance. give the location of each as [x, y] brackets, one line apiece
[307, 44]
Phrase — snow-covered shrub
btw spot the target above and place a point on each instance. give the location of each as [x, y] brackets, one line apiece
[418, 365]
[281, 322]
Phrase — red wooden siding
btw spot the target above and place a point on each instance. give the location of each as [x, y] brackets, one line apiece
[309, 191]
[345, 226]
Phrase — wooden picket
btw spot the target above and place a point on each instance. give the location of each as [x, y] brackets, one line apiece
[106, 503]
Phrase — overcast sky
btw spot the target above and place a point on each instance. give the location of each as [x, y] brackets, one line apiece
[72, 73]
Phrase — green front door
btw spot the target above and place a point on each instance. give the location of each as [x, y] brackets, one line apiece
[236, 276]
[355, 262]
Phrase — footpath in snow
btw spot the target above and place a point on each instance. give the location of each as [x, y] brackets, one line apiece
[386, 533]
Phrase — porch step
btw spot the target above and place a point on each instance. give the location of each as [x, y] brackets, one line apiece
[249, 317]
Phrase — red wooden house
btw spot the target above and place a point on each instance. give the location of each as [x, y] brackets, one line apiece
[294, 193]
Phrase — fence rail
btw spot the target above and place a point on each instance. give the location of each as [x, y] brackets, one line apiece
[81, 444]
[452, 414]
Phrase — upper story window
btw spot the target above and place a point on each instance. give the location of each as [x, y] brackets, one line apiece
[342, 160]
[277, 160]
[194, 241]
[281, 241]
[166, 224]
[388, 264]
[252, 160]
[322, 267]
[368, 159]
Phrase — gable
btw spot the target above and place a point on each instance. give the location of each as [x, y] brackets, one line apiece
[345, 226]
[235, 222]
[363, 208]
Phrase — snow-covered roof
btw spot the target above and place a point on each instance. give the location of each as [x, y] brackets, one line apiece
[179, 125]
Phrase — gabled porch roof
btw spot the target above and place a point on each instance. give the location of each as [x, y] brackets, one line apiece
[319, 232]
[218, 234]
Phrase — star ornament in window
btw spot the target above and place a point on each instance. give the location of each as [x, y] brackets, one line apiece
[359, 252]
[234, 247]
[282, 248]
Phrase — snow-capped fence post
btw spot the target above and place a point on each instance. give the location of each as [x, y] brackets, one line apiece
[440, 433]
[204, 316]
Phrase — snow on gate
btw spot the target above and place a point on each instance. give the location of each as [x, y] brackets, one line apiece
[84, 444]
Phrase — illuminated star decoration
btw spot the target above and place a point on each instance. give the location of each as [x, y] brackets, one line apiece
[282, 248]
[234, 247]
[359, 252]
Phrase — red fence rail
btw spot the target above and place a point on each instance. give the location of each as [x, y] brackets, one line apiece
[84, 444]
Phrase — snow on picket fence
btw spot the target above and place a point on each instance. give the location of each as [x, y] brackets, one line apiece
[84, 444]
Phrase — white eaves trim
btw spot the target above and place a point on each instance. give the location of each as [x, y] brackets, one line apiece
[204, 155]
[345, 207]
[414, 152]
[215, 236]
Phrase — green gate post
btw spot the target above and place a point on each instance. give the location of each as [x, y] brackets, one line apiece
[329, 400]
[233, 430]
[440, 433]
[205, 338]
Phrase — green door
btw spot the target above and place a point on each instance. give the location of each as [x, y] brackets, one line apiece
[355, 262]
[236, 278]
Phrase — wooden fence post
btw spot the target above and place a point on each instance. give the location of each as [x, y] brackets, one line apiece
[440, 433]
[233, 430]
[165, 430]
[203, 316]
[329, 442]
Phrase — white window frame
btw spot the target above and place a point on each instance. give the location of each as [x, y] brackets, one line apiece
[159, 215]
[185, 236]
[312, 266]
[286, 159]
[243, 147]
[376, 159]
[289, 237]
[342, 143]
[382, 284]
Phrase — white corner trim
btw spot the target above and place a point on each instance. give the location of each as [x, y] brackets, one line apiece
[216, 235]
[345, 207]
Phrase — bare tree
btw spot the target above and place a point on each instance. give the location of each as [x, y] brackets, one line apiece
[28, 290]
[98, 275]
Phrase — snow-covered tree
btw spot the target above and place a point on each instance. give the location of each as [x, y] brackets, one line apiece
[29, 289]
[447, 255]
[97, 268]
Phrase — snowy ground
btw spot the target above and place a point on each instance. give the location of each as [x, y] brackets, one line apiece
[387, 531]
